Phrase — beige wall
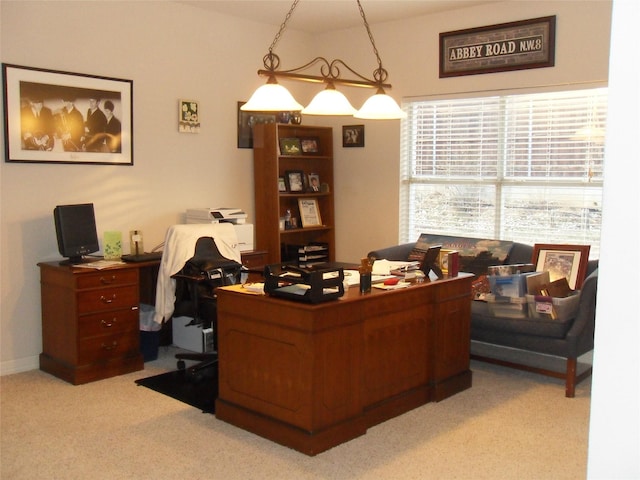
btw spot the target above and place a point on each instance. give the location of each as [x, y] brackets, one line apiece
[212, 58]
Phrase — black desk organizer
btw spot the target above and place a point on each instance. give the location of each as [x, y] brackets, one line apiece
[309, 286]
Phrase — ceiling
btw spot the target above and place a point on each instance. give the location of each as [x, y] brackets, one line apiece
[315, 16]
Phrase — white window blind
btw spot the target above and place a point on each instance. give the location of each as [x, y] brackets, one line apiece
[521, 167]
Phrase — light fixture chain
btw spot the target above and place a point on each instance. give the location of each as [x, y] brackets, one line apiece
[283, 25]
[366, 25]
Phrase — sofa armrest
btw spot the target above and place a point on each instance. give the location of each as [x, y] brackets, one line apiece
[583, 327]
[395, 253]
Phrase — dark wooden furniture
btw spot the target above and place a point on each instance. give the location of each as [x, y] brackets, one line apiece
[90, 320]
[271, 204]
[313, 376]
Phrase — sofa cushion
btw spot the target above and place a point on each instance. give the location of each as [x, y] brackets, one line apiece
[481, 319]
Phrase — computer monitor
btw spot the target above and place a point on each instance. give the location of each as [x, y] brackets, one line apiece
[76, 231]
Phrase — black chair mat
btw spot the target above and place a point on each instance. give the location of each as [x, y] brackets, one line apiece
[199, 393]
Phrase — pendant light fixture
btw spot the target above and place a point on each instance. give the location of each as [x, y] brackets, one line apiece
[273, 97]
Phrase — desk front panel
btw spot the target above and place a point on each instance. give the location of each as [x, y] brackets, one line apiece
[299, 373]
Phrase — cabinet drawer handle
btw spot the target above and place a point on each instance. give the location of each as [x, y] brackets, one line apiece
[107, 281]
[104, 299]
[107, 324]
[110, 347]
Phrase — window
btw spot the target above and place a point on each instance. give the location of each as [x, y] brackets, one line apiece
[521, 167]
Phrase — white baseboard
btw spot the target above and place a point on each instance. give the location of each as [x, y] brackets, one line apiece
[19, 365]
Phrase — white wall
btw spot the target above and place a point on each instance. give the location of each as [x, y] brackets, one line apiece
[614, 430]
[170, 51]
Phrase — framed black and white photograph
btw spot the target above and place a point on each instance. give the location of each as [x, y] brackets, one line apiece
[309, 212]
[353, 135]
[248, 120]
[282, 185]
[295, 180]
[62, 117]
[569, 261]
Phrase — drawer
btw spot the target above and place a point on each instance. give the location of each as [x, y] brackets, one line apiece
[254, 259]
[108, 323]
[107, 347]
[107, 278]
[107, 299]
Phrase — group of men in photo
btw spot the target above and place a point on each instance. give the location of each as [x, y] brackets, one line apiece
[97, 131]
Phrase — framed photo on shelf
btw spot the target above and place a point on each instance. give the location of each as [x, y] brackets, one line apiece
[310, 145]
[290, 146]
[282, 185]
[353, 135]
[560, 261]
[314, 183]
[309, 212]
[294, 180]
[49, 117]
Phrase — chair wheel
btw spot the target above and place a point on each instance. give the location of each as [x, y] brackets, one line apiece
[181, 365]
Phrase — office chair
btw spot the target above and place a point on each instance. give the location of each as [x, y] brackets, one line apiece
[207, 270]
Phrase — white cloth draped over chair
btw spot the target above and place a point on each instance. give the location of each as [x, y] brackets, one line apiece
[179, 246]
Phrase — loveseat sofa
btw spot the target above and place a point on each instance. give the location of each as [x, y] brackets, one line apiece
[567, 339]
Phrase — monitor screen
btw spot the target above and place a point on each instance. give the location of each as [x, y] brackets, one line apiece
[76, 231]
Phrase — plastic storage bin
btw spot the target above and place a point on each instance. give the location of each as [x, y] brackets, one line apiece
[552, 308]
[509, 285]
[509, 307]
[149, 333]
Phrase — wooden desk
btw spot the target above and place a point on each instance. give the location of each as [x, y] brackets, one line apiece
[313, 376]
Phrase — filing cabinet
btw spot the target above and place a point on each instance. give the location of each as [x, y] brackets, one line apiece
[90, 321]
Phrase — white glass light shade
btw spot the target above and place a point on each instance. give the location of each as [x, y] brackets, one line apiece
[272, 97]
[380, 107]
[329, 102]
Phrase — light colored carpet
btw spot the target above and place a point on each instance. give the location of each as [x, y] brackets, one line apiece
[509, 425]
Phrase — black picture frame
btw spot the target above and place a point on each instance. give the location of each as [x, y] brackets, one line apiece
[294, 180]
[246, 122]
[290, 146]
[352, 136]
[310, 145]
[60, 132]
[502, 47]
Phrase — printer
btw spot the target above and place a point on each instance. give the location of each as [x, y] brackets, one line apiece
[235, 216]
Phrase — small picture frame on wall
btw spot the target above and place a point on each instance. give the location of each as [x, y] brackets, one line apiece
[189, 115]
[353, 136]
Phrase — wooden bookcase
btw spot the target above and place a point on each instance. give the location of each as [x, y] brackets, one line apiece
[269, 165]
